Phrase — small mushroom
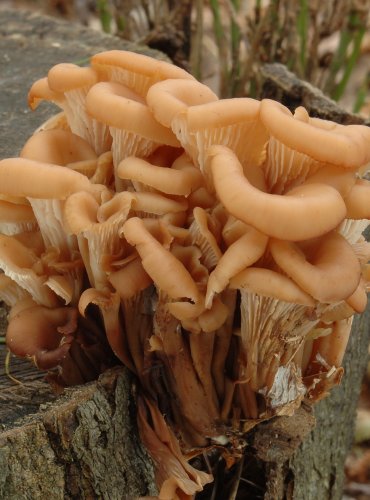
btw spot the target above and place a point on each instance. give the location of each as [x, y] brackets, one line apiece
[40, 333]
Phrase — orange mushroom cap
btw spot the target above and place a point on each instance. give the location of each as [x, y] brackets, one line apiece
[304, 212]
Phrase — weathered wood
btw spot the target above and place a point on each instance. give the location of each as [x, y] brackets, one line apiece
[85, 446]
[30, 45]
[284, 86]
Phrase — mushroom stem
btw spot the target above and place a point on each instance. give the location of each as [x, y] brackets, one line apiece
[191, 398]
[201, 349]
[222, 344]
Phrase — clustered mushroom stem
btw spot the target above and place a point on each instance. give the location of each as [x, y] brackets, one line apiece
[214, 247]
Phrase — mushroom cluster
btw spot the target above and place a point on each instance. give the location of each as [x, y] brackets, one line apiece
[213, 246]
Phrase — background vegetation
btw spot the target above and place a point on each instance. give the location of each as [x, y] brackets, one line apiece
[223, 42]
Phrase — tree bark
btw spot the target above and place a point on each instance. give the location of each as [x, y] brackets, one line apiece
[86, 445]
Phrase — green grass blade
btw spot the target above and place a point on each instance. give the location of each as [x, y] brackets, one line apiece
[302, 29]
[350, 64]
[362, 94]
[105, 15]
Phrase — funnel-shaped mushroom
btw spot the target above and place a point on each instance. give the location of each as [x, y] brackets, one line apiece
[46, 186]
[167, 272]
[41, 91]
[234, 123]
[74, 82]
[96, 240]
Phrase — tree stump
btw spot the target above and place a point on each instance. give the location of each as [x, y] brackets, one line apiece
[85, 444]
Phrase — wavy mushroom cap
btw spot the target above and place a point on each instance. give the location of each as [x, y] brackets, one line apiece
[343, 145]
[64, 77]
[41, 91]
[203, 234]
[358, 200]
[269, 283]
[130, 280]
[34, 179]
[231, 122]
[59, 147]
[136, 71]
[80, 212]
[320, 206]
[117, 106]
[167, 272]
[241, 254]
[16, 218]
[22, 265]
[150, 203]
[42, 334]
[168, 98]
[333, 272]
[167, 180]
